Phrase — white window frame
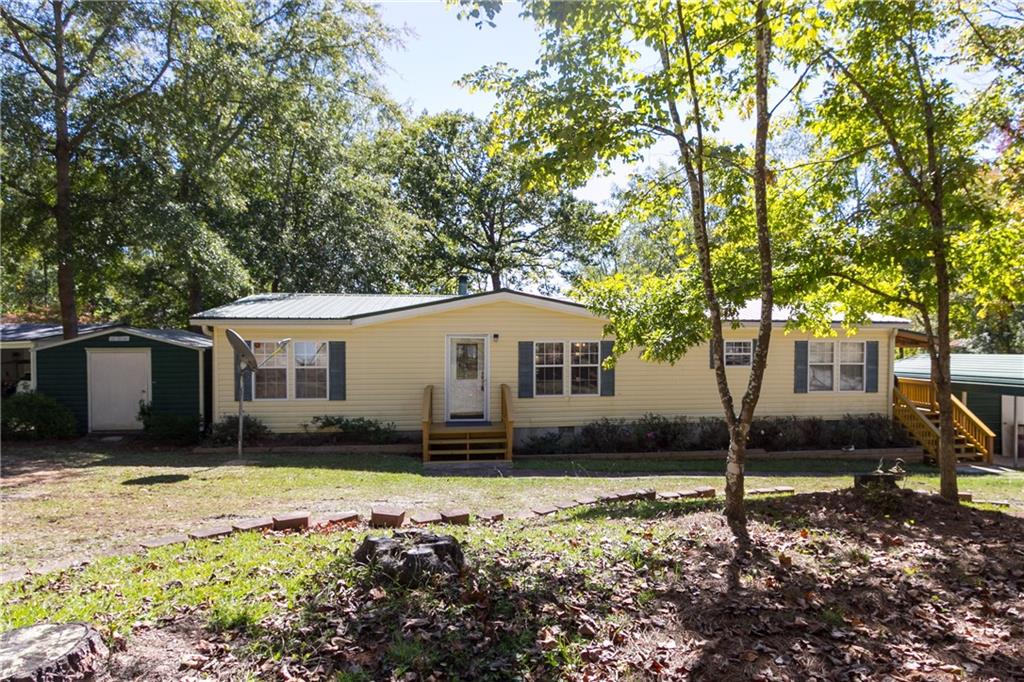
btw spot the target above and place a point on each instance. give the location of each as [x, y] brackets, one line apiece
[863, 364]
[837, 362]
[567, 369]
[570, 365]
[748, 353]
[294, 366]
[286, 368]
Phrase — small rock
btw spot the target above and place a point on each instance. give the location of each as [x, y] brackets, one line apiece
[253, 524]
[163, 541]
[566, 504]
[423, 518]
[669, 496]
[210, 532]
[645, 494]
[459, 517]
[491, 515]
[965, 497]
[543, 510]
[342, 517]
[705, 492]
[586, 500]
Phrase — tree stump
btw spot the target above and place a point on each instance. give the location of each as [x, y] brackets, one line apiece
[411, 557]
[50, 651]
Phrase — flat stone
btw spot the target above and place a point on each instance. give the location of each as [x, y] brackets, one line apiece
[209, 532]
[342, 517]
[543, 510]
[994, 503]
[669, 496]
[253, 524]
[625, 495]
[491, 515]
[163, 541]
[458, 516]
[586, 500]
[610, 497]
[387, 516]
[645, 494]
[566, 504]
[423, 518]
[784, 489]
[705, 492]
[292, 521]
[760, 491]
[965, 497]
[688, 493]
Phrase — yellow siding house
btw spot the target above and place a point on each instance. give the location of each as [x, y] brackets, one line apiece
[467, 369]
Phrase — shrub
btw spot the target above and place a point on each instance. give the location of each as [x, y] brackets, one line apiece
[711, 434]
[34, 416]
[225, 432]
[169, 428]
[356, 429]
[549, 443]
[606, 435]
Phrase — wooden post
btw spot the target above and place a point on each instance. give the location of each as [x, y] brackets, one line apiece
[426, 418]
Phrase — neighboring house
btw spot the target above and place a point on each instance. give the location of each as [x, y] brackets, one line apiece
[991, 386]
[464, 368]
[104, 373]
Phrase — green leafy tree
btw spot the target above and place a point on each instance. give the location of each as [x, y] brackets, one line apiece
[596, 99]
[904, 225]
[74, 67]
[481, 208]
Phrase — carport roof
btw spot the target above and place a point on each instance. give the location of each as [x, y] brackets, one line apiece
[968, 368]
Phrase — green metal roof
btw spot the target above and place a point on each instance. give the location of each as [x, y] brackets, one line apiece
[968, 368]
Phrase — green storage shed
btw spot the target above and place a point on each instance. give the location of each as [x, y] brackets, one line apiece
[104, 376]
[990, 385]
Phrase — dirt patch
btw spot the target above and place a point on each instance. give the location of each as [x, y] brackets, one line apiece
[175, 650]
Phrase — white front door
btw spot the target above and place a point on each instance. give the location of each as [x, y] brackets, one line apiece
[467, 381]
[118, 381]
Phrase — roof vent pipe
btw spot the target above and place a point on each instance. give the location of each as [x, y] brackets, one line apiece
[463, 285]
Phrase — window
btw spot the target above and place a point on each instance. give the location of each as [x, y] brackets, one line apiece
[739, 353]
[467, 360]
[585, 372]
[271, 379]
[820, 362]
[549, 376]
[310, 369]
[851, 366]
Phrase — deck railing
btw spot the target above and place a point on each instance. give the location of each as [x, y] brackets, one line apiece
[426, 418]
[919, 393]
[507, 417]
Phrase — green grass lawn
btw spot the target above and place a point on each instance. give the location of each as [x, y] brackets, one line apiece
[69, 502]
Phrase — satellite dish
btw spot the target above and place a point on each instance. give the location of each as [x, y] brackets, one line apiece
[245, 356]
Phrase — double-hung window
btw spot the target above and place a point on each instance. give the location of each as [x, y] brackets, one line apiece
[823, 358]
[271, 379]
[585, 373]
[820, 365]
[310, 369]
[739, 353]
[549, 371]
[851, 365]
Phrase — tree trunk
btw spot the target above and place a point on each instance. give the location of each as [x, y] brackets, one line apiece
[62, 193]
[495, 279]
[940, 368]
[735, 511]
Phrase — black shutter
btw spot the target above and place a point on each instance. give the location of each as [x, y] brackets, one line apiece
[336, 369]
[248, 376]
[526, 369]
[607, 375]
[871, 367]
[800, 367]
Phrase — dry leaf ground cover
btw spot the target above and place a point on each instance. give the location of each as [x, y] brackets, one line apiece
[79, 501]
[837, 586]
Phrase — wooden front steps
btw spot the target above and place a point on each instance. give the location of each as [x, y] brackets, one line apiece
[915, 407]
[458, 443]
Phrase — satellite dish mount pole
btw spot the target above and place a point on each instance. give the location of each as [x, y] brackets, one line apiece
[247, 363]
[242, 369]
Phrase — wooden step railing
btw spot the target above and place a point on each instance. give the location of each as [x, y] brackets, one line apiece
[427, 417]
[919, 393]
[907, 413]
[508, 417]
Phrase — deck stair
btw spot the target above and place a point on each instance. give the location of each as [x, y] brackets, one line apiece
[916, 408]
[479, 443]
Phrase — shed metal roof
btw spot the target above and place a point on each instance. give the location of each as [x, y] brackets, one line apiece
[968, 368]
[314, 306]
[17, 331]
[751, 312]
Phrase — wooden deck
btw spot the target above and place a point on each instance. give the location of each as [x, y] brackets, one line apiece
[449, 442]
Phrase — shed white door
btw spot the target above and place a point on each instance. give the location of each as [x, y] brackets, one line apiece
[118, 381]
[467, 383]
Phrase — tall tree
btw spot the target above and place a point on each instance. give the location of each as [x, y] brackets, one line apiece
[897, 157]
[595, 99]
[481, 208]
[89, 60]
